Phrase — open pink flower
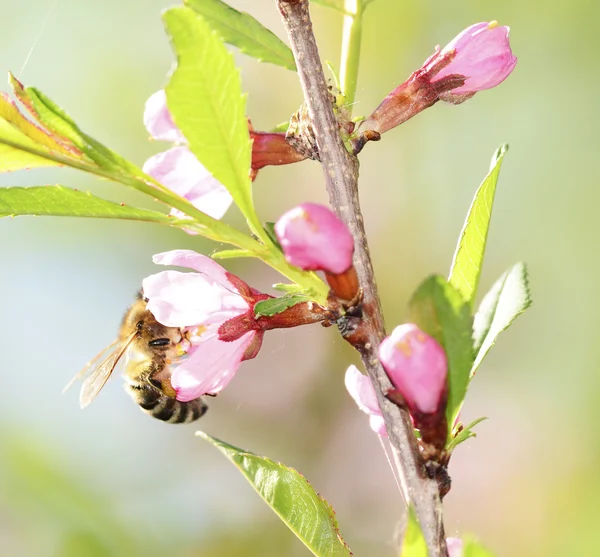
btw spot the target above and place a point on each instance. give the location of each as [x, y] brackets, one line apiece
[178, 168]
[417, 366]
[202, 304]
[361, 390]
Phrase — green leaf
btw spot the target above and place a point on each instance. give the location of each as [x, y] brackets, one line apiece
[242, 30]
[413, 544]
[468, 257]
[233, 253]
[285, 287]
[464, 434]
[205, 99]
[472, 548]
[292, 498]
[65, 202]
[439, 309]
[273, 306]
[270, 230]
[506, 300]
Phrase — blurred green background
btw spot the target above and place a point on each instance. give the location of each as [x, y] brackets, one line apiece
[112, 482]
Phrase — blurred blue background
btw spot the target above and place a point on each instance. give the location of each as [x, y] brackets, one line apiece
[112, 482]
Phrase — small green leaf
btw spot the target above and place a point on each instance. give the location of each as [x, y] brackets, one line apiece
[413, 544]
[242, 30]
[65, 202]
[270, 230]
[439, 309]
[273, 306]
[292, 498]
[468, 257]
[472, 548]
[464, 434]
[506, 300]
[205, 99]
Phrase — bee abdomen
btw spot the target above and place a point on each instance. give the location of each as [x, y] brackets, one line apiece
[163, 407]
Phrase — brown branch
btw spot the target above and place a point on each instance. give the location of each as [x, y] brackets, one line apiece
[341, 176]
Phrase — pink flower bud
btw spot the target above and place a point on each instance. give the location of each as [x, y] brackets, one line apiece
[416, 365]
[482, 55]
[455, 547]
[478, 58]
[315, 239]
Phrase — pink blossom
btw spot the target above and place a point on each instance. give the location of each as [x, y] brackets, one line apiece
[314, 238]
[481, 53]
[417, 366]
[178, 168]
[200, 304]
[455, 547]
[361, 390]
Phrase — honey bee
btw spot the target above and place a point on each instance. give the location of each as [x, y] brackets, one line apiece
[149, 348]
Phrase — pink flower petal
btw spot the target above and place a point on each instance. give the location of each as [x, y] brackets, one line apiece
[483, 56]
[190, 299]
[158, 121]
[361, 389]
[179, 170]
[188, 258]
[455, 547]
[210, 367]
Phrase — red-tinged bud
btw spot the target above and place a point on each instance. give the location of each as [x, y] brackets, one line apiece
[417, 366]
[315, 239]
[478, 58]
[271, 149]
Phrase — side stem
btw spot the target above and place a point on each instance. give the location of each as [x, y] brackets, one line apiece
[341, 177]
[351, 39]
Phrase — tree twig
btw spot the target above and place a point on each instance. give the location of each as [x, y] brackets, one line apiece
[341, 176]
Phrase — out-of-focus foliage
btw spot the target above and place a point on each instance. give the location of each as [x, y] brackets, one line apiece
[65, 284]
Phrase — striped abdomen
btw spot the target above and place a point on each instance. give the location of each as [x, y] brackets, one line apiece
[163, 407]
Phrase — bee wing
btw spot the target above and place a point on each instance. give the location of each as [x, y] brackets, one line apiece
[112, 346]
[100, 373]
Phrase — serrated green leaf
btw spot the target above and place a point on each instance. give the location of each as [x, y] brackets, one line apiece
[292, 498]
[468, 257]
[472, 548]
[465, 433]
[64, 129]
[243, 31]
[413, 544]
[65, 202]
[441, 311]
[205, 99]
[273, 306]
[508, 298]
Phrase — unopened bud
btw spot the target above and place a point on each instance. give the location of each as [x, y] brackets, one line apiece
[315, 239]
[455, 547]
[417, 367]
[478, 58]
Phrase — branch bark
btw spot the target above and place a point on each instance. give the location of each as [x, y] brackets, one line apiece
[341, 177]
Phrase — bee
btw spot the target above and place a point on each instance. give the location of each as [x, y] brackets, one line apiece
[148, 348]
